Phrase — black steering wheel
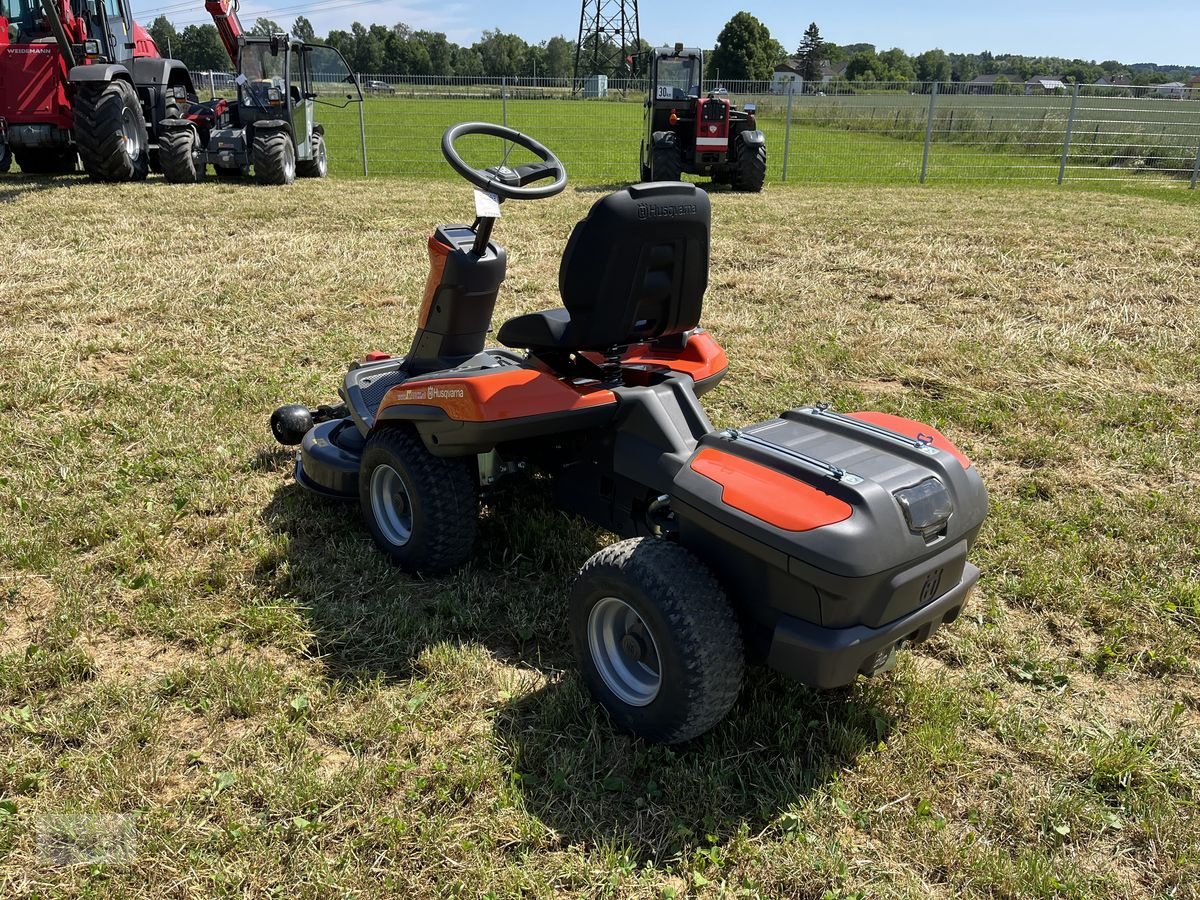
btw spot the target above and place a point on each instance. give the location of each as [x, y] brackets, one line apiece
[500, 179]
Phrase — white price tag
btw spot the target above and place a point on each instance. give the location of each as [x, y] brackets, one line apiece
[487, 205]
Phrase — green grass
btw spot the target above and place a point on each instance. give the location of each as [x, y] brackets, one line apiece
[834, 139]
[189, 642]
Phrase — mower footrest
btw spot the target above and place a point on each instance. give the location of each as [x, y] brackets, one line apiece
[833, 657]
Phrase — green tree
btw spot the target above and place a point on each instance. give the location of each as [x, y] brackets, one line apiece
[933, 65]
[745, 50]
[266, 27]
[439, 50]
[559, 58]
[165, 36]
[863, 66]
[502, 54]
[303, 29]
[811, 54]
[200, 49]
[897, 65]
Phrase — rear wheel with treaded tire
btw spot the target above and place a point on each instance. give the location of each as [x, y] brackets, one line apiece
[749, 166]
[422, 510]
[318, 166]
[111, 132]
[658, 643]
[666, 163]
[274, 158]
[180, 156]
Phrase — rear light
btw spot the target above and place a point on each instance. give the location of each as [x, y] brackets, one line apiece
[91, 48]
[673, 118]
[927, 507]
[275, 96]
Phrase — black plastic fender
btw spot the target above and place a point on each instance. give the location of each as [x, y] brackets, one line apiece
[161, 72]
[272, 125]
[753, 137]
[99, 73]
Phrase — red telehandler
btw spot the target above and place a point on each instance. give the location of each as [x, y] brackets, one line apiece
[81, 79]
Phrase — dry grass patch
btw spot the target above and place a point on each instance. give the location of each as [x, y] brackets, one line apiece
[189, 640]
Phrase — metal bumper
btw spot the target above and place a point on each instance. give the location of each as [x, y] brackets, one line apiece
[832, 657]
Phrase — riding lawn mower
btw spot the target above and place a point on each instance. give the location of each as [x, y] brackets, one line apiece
[818, 542]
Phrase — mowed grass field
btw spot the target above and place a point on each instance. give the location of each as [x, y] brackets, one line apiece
[218, 681]
[876, 138]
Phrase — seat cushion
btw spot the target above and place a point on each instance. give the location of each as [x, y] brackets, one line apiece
[548, 330]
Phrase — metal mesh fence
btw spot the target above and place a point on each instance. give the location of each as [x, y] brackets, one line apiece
[892, 132]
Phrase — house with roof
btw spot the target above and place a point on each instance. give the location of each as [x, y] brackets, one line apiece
[790, 73]
[1172, 90]
[1114, 81]
[993, 84]
[787, 76]
[1045, 84]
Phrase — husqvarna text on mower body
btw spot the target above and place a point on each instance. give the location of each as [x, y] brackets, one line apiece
[817, 541]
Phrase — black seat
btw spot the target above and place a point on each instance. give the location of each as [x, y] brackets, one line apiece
[635, 269]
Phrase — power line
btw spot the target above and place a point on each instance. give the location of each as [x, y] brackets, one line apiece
[250, 15]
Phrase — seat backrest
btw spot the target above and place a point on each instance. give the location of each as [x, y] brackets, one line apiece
[636, 268]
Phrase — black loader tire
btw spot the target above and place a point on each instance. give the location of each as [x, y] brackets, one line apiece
[47, 162]
[6, 158]
[177, 151]
[750, 166]
[111, 132]
[666, 163]
[318, 166]
[440, 501]
[696, 637]
[274, 158]
[643, 169]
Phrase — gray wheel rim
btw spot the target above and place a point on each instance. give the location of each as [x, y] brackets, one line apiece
[322, 159]
[624, 651]
[289, 161]
[390, 505]
[129, 134]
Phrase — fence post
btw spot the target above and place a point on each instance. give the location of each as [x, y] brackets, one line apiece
[503, 101]
[929, 131]
[787, 135]
[1196, 169]
[1062, 163]
[362, 131]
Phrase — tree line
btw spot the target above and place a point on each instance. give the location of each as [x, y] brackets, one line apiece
[744, 50]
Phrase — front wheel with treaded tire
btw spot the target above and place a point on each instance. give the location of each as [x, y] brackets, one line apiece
[110, 132]
[180, 155]
[274, 158]
[749, 166]
[666, 163]
[658, 643]
[422, 510]
[318, 166]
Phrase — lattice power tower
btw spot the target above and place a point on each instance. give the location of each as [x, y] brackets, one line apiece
[609, 40]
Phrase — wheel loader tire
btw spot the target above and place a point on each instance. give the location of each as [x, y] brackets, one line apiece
[178, 152]
[46, 162]
[666, 163]
[274, 158]
[750, 167]
[6, 158]
[318, 166]
[111, 132]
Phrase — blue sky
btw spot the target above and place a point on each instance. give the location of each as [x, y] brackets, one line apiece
[1100, 29]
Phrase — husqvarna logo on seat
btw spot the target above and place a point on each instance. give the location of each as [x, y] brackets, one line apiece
[665, 211]
[433, 392]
